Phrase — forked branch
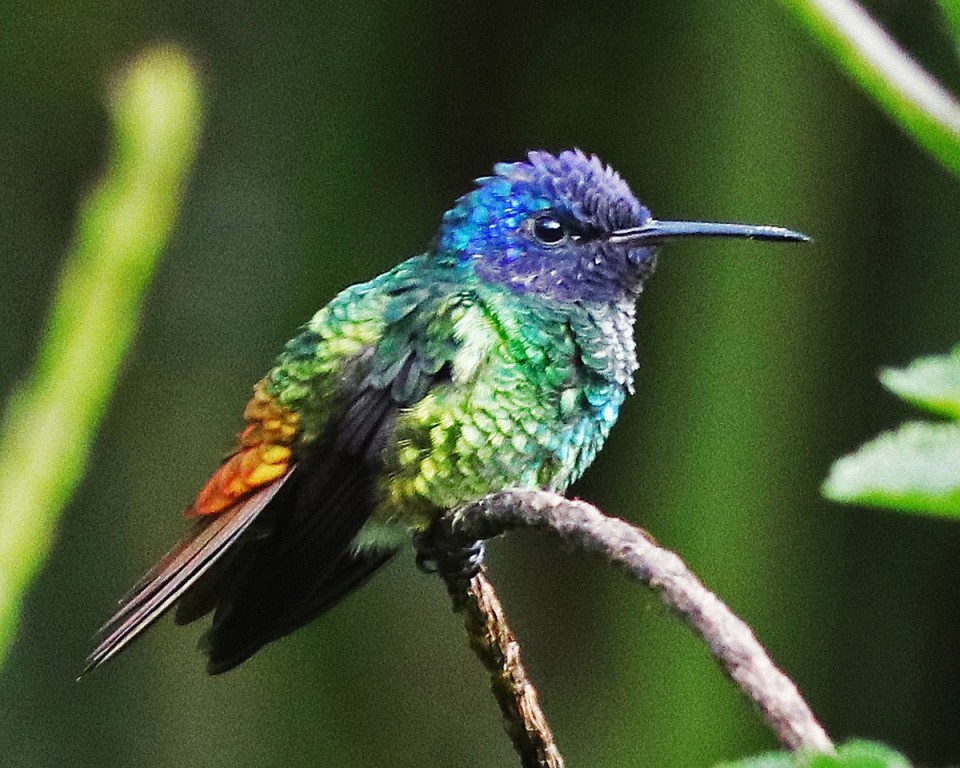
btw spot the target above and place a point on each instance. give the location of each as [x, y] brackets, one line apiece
[730, 640]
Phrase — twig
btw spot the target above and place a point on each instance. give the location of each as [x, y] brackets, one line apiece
[729, 639]
[498, 650]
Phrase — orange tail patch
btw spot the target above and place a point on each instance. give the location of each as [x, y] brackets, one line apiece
[263, 456]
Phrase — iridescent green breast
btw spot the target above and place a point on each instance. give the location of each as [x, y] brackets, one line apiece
[526, 405]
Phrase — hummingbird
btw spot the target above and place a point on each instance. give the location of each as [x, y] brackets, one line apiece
[499, 358]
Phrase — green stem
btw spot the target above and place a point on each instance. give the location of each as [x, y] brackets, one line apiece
[51, 419]
[910, 95]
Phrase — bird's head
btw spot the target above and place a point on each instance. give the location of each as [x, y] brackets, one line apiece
[567, 226]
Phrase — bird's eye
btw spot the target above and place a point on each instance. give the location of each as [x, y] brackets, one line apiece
[548, 230]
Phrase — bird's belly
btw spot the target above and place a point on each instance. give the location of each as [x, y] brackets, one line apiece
[452, 449]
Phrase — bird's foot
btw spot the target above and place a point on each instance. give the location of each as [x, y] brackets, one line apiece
[451, 561]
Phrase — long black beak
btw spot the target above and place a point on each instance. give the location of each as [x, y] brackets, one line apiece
[655, 232]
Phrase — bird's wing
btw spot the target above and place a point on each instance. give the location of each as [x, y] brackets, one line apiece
[300, 559]
[272, 548]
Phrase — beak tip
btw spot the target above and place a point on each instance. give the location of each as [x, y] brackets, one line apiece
[791, 236]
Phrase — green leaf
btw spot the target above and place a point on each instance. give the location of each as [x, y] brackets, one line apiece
[914, 468]
[854, 754]
[929, 382]
[861, 754]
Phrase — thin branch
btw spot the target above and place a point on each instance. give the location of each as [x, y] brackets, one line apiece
[498, 650]
[729, 639]
[906, 91]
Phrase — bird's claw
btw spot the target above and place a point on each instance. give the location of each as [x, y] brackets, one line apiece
[451, 561]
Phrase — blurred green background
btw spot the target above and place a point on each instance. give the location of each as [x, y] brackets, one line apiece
[336, 135]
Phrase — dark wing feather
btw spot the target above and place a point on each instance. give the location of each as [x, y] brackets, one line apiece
[230, 641]
[270, 582]
[303, 564]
